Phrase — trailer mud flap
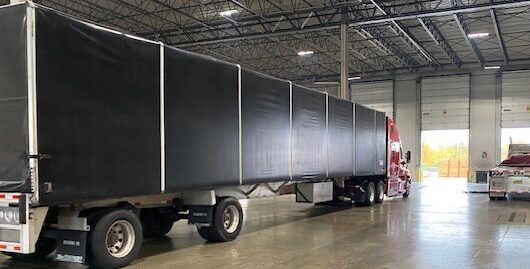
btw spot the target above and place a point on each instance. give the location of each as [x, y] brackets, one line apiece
[201, 214]
[71, 246]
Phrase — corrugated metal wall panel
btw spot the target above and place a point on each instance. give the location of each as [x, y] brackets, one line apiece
[376, 95]
[445, 103]
[515, 110]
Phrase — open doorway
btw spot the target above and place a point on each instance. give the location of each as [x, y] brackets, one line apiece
[444, 155]
[516, 136]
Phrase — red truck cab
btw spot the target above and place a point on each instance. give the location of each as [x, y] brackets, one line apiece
[398, 175]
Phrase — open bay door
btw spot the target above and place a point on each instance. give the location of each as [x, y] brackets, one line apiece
[445, 127]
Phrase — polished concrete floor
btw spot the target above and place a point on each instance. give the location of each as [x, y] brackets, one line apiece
[438, 226]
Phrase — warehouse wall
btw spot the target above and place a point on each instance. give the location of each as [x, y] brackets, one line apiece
[407, 117]
[485, 88]
[484, 117]
[484, 133]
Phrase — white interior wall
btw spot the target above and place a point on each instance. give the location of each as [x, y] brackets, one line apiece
[407, 117]
[484, 123]
[484, 118]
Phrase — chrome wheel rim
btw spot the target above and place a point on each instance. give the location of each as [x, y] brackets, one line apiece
[230, 219]
[372, 196]
[120, 238]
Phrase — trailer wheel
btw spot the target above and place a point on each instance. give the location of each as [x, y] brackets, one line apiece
[44, 247]
[115, 239]
[367, 197]
[380, 192]
[155, 222]
[227, 221]
[406, 193]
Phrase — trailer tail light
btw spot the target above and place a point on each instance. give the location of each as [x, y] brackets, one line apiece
[10, 247]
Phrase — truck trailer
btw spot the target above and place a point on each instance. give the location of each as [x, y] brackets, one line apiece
[107, 138]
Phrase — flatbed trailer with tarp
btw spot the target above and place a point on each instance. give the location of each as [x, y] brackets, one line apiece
[106, 137]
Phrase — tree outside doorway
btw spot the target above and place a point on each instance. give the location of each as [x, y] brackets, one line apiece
[444, 154]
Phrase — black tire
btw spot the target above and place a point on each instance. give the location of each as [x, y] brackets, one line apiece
[218, 232]
[380, 192]
[44, 247]
[156, 222]
[99, 255]
[406, 193]
[366, 198]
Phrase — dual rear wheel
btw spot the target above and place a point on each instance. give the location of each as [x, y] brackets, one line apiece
[370, 193]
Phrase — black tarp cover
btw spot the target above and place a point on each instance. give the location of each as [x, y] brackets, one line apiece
[340, 137]
[98, 96]
[202, 121]
[309, 134]
[266, 127]
[14, 168]
[99, 118]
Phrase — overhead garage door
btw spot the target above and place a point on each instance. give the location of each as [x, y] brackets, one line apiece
[376, 95]
[445, 103]
[515, 110]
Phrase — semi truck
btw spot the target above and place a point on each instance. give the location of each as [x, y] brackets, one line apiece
[511, 176]
[107, 138]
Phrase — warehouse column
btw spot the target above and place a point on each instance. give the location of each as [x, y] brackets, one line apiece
[344, 92]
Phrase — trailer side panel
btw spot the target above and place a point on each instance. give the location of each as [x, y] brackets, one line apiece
[340, 137]
[380, 143]
[309, 134]
[98, 96]
[365, 148]
[14, 168]
[201, 121]
[266, 128]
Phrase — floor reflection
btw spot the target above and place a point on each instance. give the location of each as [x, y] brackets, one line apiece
[438, 226]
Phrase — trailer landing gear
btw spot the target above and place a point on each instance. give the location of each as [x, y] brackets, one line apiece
[226, 222]
[115, 239]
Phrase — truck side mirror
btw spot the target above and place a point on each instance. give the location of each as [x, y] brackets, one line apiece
[408, 156]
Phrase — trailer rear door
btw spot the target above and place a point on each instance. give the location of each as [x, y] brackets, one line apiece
[14, 169]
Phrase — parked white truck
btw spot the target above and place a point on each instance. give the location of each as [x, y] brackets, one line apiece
[512, 176]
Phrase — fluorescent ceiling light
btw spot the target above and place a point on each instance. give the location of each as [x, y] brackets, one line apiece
[326, 83]
[228, 13]
[477, 35]
[354, 78]
[492, 67]
[305, 52]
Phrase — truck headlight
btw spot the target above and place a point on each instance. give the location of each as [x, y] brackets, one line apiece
[9, 215]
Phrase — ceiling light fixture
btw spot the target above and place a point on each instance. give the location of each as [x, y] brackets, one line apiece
[477, 35]
[305, 52]
[492, 67]
[354, 78]
[228, 13]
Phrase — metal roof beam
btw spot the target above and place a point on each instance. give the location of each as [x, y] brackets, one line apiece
[435, 34]
[335, 25]
[499, 36]
[406, 35]
[465, 31]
